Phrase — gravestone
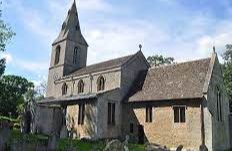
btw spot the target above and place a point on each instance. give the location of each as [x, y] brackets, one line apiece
[52, 142]
[64, 132]
[179, 148]
[114, 145]
[125, 143]
[203, 148]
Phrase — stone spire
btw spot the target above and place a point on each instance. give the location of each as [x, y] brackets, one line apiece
[71, 28]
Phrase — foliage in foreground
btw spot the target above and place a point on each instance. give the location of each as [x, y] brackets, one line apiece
[227, 69]
[6, 34]
[13, 88]
[17, 136]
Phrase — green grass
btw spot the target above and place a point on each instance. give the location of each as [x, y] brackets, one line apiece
[4, 118]
[16, 135]
[64, 144]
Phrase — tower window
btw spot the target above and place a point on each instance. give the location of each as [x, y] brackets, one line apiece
[100, 84]
[57, 55]
[81, 86]
[64, 89]
[75, 55]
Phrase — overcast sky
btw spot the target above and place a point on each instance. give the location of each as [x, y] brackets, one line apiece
[183, 29]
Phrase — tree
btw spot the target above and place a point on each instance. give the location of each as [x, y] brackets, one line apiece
[12, 93]
[158, 60]
[5, 35]
[227, 70]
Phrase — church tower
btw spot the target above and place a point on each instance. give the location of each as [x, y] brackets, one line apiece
[69, 50]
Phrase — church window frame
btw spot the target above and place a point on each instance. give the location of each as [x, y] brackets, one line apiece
[101, 83]
[111, 113]
[64, 89]
[179, 114]
[149, 114]
[81, 114]
[57, 55]
[219, 103]
[80, 87]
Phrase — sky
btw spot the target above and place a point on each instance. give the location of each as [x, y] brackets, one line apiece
[183, 29]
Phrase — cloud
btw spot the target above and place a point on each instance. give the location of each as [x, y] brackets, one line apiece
[31, 66]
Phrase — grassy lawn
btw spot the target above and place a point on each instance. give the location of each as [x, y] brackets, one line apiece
[16, 135]
[64, 144]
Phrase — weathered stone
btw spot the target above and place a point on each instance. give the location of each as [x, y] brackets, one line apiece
[114, 145]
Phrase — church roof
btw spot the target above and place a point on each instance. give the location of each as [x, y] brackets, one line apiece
[106, 65]
[178, 81]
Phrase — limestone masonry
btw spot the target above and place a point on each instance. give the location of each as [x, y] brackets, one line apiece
[180, 104]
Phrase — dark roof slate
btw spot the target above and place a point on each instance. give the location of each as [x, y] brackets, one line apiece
[178, 81]
[106, 65]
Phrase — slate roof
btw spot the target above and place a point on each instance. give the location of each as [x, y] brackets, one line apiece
[179, 81]
[118, 62]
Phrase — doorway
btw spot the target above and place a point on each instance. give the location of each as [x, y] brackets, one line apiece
[140, 134]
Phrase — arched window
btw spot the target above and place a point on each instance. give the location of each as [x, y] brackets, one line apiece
[100, 84]
[64, 89]
[57, 55]
[81, 86]
[75, 55]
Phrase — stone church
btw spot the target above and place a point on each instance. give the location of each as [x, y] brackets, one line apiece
[180, 104]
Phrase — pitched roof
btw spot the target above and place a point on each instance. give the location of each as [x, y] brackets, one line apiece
[178, 81]
[114, 63]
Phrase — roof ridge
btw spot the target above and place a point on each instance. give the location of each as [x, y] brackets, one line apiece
[175, 64]
[110, 60]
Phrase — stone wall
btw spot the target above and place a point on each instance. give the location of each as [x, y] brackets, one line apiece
[130, 72]
[112, 80]
[104, 130]
[163, 130]
[88, 129]
[48, 119]
[216, 132]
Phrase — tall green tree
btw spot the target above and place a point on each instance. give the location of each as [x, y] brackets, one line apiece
[227, 70]
[6, 34]
[158, 60]
[13, 88]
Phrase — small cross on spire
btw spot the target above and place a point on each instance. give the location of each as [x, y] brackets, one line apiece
[140, 47]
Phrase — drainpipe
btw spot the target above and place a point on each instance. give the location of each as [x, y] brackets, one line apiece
[202, 122]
